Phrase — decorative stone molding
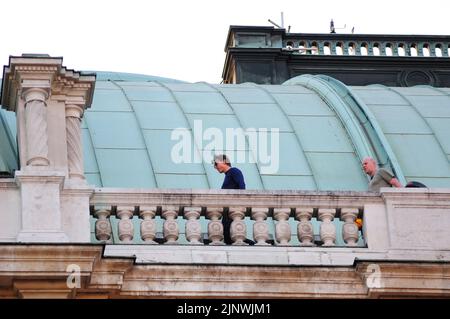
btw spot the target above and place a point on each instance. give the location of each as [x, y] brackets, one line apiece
[215, 227]
[39, 271]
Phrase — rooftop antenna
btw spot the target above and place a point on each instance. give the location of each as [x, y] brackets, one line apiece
[333, 28]
[282, 23]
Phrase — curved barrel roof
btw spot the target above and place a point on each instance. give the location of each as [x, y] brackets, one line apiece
[136, 124]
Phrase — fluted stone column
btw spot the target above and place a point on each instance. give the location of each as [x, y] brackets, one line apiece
[125, 225]
[215, 227]
[36, 126]
[238, 229]
[282, 228]
[74, 149]
[148, 225]
[349, 229]
[305, 232]
[327, 228]
[103, 229]
[193, 227]
[260, 227]
[170, 227]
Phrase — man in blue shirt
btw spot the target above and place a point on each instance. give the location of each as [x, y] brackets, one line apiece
[233, 176]
[233, 180]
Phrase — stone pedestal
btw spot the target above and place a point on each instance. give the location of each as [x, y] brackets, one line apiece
[41, 218]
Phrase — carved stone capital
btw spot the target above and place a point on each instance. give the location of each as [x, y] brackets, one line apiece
[35, 94]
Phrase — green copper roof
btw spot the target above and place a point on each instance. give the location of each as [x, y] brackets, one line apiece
[325, 128]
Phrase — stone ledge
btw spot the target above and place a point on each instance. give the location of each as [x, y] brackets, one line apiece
[267, 256]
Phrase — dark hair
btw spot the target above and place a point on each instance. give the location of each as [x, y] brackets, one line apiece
[415, 184]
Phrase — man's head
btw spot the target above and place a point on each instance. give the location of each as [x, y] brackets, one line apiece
[221, 163]
[369, 166]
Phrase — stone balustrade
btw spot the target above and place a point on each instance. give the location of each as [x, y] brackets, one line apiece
[369, 47]
[341, 44]
[193, 217]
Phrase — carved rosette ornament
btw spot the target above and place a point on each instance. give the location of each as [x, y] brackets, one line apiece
[103, 229]
[36, 126]
[327, 228]
[125, 225]
[350, 229]
[238, 230]
[260, 227]
[305, 232]
[170, 226]
[215, 227]
[148, 225]
[193, 227]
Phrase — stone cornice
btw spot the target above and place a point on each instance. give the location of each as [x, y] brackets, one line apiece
[42, 271]
[37, 67]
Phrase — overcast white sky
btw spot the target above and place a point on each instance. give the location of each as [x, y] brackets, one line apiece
[185, 39]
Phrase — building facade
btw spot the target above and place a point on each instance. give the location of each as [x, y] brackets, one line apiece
[108, 191]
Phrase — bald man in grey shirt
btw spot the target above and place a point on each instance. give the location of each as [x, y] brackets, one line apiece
[379, 177]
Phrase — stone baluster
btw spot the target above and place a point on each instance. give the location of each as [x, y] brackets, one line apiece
[74, 113]
[103, 229]
[282, 228]
[36, 126]
[349, 229]
[327, 228]
[305, 232]
[260, 227]
[215, 227]
[193, 227]
[170, 226]
[125, 225]
[238, 229]
[148, 224]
